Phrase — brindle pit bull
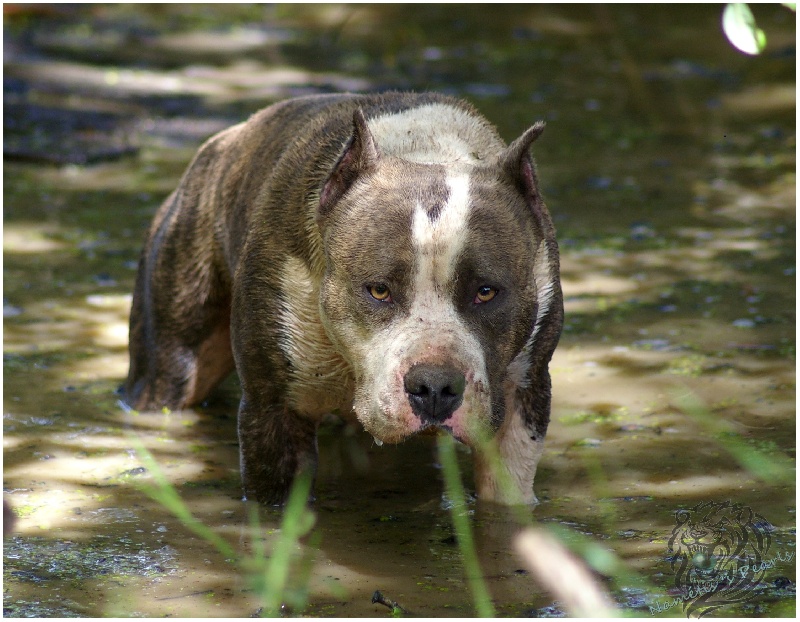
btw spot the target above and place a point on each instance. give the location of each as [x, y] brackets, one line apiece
[386, 255]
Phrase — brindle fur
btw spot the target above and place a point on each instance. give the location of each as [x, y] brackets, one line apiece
[243, 233]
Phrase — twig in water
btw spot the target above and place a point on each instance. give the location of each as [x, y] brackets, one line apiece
[380, 599]
[201, 593]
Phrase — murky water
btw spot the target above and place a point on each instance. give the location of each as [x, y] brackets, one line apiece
[668, 164]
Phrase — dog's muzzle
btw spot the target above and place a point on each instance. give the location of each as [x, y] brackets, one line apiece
[434, 391]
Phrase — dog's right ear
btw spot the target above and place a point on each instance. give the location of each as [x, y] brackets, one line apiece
[360, 156]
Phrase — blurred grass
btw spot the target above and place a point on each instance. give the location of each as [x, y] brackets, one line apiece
[271, 574]
[461, 523]
[164, 493]
[281, 579]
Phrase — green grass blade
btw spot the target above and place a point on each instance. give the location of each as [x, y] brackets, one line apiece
[458, 510]
[163, 492]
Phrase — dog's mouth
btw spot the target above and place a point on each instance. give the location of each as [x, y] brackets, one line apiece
[426, 399]
[426, 429]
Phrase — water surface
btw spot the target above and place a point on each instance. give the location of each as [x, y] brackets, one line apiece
[668, 164]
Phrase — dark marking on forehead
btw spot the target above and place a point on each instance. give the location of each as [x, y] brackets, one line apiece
[434, 193]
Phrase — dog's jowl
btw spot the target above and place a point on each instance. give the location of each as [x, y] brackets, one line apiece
[386, 256]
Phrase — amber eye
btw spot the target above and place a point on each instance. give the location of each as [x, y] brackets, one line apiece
[380, 292]
[485, 294]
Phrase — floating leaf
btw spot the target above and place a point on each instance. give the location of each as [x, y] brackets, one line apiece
[741, 29]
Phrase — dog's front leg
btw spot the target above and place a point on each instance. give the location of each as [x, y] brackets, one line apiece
[276, 442]
[504, 472]
[276, 445]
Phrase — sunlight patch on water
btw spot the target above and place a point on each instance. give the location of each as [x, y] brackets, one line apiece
[32, 237]
[704, 486]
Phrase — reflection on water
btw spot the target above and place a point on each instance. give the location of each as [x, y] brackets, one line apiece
[668, 163]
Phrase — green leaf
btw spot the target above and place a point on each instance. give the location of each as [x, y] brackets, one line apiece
[741, 29]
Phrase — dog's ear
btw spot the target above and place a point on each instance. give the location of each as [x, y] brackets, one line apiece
[360, 156]
[515, 160]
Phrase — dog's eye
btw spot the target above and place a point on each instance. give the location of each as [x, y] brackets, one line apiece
[380, 292]
[485, 294]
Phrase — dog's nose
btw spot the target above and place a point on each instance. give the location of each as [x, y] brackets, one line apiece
[434, 391]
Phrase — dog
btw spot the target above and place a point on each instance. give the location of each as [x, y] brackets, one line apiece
[383, 255]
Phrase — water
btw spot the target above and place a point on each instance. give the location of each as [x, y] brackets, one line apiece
[668, 164]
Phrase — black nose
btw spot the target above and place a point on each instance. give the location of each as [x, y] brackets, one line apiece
[434, 391]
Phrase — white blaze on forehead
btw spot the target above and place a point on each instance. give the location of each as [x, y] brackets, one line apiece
[430, 134]
[438, 241]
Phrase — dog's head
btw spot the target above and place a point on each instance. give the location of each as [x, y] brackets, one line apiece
[439, 278]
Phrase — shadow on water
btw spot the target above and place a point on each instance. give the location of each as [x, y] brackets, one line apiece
[668, 163]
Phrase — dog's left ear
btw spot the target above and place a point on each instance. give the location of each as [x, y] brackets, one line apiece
[515, 160]
[360, 156]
